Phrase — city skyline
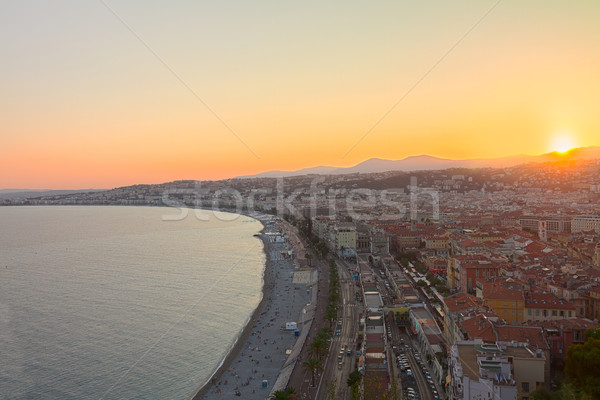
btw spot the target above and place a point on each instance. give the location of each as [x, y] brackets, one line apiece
[109, 94]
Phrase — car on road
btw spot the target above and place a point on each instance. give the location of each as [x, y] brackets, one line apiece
[340, 364]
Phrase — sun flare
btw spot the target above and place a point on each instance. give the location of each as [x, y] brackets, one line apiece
[562, 144]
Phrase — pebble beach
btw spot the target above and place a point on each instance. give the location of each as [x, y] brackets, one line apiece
[265, 351]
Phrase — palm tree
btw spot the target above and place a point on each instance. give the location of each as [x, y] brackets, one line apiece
[324, 333]
[317, 347]
[286, 394]
[313, 365]
[331, 314]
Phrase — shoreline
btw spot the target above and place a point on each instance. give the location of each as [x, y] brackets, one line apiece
[280, 293]
[247, 330]
[260, 361]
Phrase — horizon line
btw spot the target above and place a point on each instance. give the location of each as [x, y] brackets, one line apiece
[16, 190]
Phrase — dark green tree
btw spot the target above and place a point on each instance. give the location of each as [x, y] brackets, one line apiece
[285, 394]
[354, 382]
[331, 314]
[324, 333]
[545, 394]
[354, 378]
[313, 365]
[583, 363]
[318, 347]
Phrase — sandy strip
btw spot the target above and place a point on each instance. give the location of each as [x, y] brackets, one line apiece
[259, 353]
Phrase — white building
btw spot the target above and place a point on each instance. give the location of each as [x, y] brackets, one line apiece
[586, 223]
[344, 236]
[480, 371]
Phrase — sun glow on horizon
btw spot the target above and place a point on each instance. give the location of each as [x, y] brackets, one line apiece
[562, 143]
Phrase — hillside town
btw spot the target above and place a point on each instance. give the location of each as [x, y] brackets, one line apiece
[470, 284]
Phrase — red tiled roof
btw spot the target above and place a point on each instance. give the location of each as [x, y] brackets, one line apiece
[546, 301]
[479, 327]
[567, 324]
[499, 291]
[461, 301]
[523, 334]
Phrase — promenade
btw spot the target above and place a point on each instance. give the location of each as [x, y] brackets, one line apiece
[264, 349]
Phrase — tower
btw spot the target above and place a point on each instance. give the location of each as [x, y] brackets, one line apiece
[542, 232]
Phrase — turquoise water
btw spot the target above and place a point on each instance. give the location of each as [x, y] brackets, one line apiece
[118, 303]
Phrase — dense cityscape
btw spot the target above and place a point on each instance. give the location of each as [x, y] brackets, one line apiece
[467, 283]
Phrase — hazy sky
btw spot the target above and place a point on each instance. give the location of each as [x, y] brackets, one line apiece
[109, 93]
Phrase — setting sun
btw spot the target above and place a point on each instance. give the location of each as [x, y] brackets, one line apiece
[562, 144]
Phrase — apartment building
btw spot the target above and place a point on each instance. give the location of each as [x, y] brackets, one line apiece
[586, 223]
[547, 307]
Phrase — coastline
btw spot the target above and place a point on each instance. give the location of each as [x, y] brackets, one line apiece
[247, 330]
[266, 350]
[262, 340]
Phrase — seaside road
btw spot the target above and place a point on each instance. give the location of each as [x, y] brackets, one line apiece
[300, 379]
[348, 314]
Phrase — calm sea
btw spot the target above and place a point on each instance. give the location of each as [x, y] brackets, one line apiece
[117, 303]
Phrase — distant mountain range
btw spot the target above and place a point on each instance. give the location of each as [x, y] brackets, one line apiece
[426, 162]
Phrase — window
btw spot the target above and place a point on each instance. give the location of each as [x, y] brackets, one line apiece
[537, 313]
[554, 314]
[559, 346]
[529, 312]
[525, 386]
[562, 313]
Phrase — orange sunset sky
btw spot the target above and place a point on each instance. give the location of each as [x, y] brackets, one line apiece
[110, 93]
